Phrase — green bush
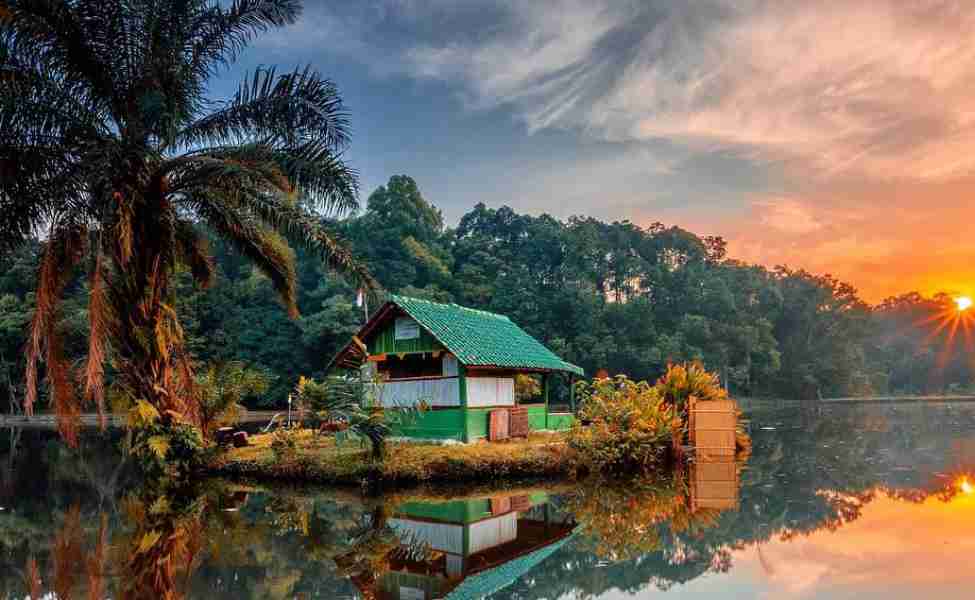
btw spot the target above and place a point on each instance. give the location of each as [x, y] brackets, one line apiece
[623, 425]
[167, 449]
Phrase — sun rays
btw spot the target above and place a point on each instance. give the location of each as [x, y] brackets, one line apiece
[955, 318]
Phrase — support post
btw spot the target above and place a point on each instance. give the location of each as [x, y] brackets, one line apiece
[546, 385]
[572, 393]
[462, 392]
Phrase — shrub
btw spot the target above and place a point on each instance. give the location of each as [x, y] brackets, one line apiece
[284, 444]
[170, 449]
[622, 426]
[682, 381]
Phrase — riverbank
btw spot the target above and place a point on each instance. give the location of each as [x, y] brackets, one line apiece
[318, 459]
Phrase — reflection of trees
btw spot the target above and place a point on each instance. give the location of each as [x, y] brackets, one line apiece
[804, 476]
[230, 541]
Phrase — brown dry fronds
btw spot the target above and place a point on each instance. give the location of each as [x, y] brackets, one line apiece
[99, 316]
[96, 563]
[68, 554]
[63, 251]
[32, 579]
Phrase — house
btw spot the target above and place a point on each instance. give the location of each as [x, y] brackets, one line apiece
[461, 363]
[466, 549]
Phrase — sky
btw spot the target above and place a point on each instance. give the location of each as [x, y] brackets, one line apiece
[835, 136]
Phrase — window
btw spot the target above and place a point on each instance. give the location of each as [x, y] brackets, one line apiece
[449, 365]
[407, 329]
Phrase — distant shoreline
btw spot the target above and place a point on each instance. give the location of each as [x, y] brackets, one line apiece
[49, 421]
[863, 400]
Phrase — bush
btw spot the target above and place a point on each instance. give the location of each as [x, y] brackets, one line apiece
[284, 444]
[622, 426]
[167, 449]
[682, 381]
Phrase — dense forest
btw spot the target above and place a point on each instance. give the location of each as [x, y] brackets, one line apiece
[613, 296]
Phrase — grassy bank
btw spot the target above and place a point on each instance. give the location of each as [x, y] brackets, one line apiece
[318, 459]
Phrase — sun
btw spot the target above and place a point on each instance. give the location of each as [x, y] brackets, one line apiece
[963, 303]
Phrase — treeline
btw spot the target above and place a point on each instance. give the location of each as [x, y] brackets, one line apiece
[611, 296]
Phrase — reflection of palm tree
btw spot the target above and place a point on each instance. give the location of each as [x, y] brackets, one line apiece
[766, 565]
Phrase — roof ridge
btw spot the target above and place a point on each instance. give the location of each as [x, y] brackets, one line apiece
[397, 297]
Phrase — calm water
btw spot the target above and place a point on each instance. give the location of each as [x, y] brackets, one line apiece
[848, 502]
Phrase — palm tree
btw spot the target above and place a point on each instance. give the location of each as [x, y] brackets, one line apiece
[111, 153]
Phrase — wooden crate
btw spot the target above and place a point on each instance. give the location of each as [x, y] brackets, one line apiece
[498, 425]
[712, 427]
[715, 483]
[521, 503]
[501, 505]
[518, 422]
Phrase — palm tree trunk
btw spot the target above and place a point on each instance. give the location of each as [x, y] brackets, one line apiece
[149, 339]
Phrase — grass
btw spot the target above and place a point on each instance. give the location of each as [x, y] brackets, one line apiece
[319, 459]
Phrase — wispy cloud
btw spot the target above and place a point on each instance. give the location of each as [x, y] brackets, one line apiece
[876, 87]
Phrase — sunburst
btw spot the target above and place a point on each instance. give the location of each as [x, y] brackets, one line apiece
[956, 316]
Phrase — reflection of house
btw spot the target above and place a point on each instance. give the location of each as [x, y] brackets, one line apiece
[458, 361]
[472, 547]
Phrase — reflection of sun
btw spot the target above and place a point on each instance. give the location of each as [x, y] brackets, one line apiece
[963, 303]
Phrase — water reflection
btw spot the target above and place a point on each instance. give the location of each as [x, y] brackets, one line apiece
[859, 502]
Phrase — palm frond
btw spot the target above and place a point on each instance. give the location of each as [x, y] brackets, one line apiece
[269, 252]
[193, 251]
[219, 34]
[99, 319]
[286, 111]
[55, 33]
[62, 253]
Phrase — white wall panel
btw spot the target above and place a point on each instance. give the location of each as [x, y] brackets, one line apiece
[493, 532]
[490, 391]
[439, 536]
[435, 392]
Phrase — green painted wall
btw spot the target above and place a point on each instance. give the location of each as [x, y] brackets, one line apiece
[390, 583]
[456, 511]
[561, 421]
[439, 424]
[476, 423]
[471, 424]
[384, 342]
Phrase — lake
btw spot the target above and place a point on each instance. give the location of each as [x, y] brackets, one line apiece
[847, 501]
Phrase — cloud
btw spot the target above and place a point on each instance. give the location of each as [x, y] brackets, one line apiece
[786, 215]
[878, 88]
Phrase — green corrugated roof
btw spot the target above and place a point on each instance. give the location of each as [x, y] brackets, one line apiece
[493, 580]
[481, 338]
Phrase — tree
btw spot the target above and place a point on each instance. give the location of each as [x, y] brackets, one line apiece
[221, 389]
[108, 144]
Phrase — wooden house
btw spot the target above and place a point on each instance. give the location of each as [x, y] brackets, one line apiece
[459, 362]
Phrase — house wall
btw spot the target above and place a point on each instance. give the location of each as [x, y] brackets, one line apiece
[490, 391]
[384, 341]
[440, 424]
